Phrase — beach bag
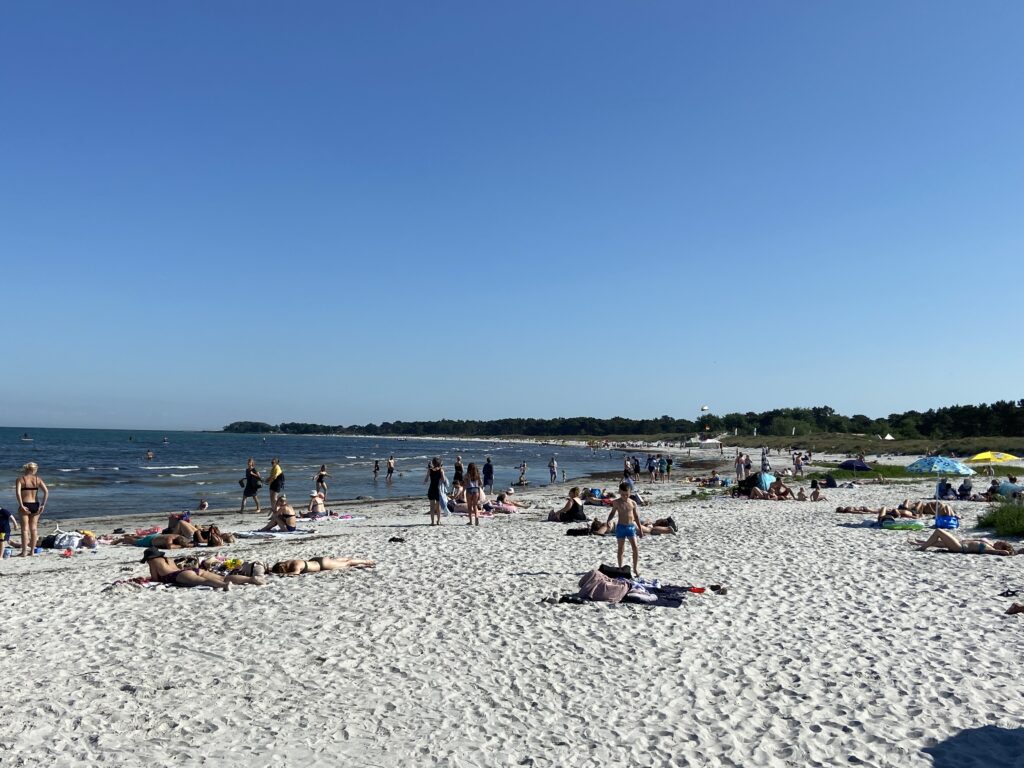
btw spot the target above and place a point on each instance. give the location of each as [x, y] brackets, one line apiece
[616, 572]
[949, 522]
[241, 483]
[594, 585]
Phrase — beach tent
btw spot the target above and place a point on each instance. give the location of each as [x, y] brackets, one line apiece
[888, 437]
[855, 465]
[712, 443]
[939, 465]
[992, 457]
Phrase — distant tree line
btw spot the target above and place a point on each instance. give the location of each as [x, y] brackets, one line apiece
[1002, 418]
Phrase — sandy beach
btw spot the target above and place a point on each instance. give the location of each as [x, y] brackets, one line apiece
[835, 645]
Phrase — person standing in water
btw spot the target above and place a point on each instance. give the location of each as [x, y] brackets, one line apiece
[391, 468]
[459, 470]
[376, 469]
[276, 480]
[30, 507]
[321, 480]
[553, 470]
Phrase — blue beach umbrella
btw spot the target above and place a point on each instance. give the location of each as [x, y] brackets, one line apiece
[941, 465]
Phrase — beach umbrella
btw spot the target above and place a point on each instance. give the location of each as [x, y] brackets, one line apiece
[942, 465]
[992, 457]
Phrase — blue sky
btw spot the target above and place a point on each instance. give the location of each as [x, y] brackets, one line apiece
[353, 212]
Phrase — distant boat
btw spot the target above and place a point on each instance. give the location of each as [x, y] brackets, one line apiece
[166, 440]
[25, 438]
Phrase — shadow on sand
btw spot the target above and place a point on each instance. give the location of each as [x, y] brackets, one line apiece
[987, 747]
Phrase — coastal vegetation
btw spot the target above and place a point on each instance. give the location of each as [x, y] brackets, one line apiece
[1007, 518]
[785, 426]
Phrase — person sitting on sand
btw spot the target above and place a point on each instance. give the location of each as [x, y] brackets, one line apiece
[161, 540]
[507, 500]
[317, 564]
[779, 491]
[282, 518]
[945, 540]
[164, 570]
[572, 511]
[816, 494]
[317, 507]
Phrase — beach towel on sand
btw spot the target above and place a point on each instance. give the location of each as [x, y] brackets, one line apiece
[275, 534]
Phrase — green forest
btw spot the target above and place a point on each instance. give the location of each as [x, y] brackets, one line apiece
[1002, 418]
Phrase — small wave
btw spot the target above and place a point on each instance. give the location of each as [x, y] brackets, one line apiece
[69, 470]
[351, 457]
[186, 466]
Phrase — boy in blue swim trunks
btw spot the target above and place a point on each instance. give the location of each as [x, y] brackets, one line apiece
[628, 526]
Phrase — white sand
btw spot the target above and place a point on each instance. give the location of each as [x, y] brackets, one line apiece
[836, 645]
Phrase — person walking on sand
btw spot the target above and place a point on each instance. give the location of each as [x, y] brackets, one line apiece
[276, 480]
[436, 478]
[628, 526]
[251, 484]
[321, 480]
[474, 493]
[740, 466]
[30, 508]
[553, 470]
[391, 468]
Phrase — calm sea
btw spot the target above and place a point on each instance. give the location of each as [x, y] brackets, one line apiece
[98, 471]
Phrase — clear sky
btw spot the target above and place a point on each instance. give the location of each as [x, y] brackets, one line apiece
[351, 212]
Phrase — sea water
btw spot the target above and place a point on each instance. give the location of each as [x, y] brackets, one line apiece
[98, 471]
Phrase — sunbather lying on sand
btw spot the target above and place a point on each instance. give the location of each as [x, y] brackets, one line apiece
[160, 540]
[927, 508]
[945, 540]
[317, 564]
[163, 569]
[657, 528]
[210, 535]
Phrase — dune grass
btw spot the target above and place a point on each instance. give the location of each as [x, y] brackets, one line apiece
[1007, 518]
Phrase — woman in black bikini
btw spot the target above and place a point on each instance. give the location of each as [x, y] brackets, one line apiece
[30, 507]
[283, 517]
[321, 480]
[435, 476]
[164, 570]
[317, 564]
